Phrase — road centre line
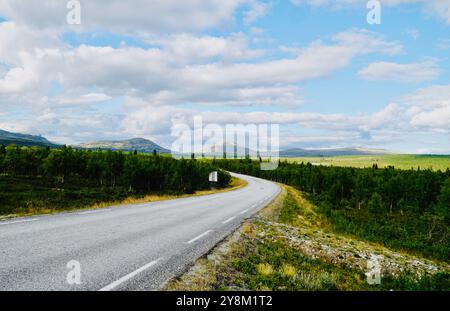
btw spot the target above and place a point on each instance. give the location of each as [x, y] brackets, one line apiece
[229, 219]
[199, 237]
[128, 276]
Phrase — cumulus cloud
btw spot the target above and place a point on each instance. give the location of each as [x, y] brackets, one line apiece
[187, 66]
[394, 116]
[426, 109]
[157, 75]
[187, 48]
[16, 39]
[183, 68]
[406, 73]
[140, 17]
[429, 108]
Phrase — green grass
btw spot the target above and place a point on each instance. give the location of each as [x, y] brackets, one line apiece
[290, 211]
[274, 266]
[397, 160]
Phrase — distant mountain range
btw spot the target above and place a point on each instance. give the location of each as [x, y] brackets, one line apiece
[139, 144]
[298, 152]
[147, 146]
[25, 140]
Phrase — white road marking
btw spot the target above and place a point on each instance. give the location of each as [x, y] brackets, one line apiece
[94, 212]
[229, 219]
[128, 276]
[245, 211]
[200, 236]
[17, 222]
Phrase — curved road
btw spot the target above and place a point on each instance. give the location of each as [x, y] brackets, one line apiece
[134, 247]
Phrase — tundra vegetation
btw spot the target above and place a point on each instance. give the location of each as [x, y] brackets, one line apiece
[290, 245]
[36, 180]
[407, 210]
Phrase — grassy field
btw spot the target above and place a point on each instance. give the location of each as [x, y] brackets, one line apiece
[290, 246]
[397, 160]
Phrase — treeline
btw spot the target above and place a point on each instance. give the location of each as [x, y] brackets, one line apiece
[407, 209]
[139, 173]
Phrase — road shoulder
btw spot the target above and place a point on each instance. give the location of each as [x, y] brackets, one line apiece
[287, 246]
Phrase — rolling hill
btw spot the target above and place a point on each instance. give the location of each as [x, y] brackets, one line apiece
[25, 140]
[139, 144]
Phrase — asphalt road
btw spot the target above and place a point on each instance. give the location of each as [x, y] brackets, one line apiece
[133, 247]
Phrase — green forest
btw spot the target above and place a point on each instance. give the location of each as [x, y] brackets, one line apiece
[403, 209]
[59, 179]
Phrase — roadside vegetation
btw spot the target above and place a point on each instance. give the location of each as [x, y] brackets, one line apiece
[399, 161]
[290, 246]
[42, 180]
[407, 210]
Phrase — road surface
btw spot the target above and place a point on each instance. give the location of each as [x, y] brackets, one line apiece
[133, 247]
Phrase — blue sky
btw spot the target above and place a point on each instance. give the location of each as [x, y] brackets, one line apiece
[316, 67]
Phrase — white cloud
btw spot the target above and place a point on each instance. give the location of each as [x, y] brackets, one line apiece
[141, 17]
[384, 117]
[27, 76]
[84, 99]
[16, 39]
[444, 44]
[157, 75]
[257, 10]
[150, 122]
[420, 112]
[429, 108]
[189, 49]
[183, 68]
[436, 119]
[187, 66]
[346, 3]
[365, 41]
[314, 61]
[439, 8]
[406, 73]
